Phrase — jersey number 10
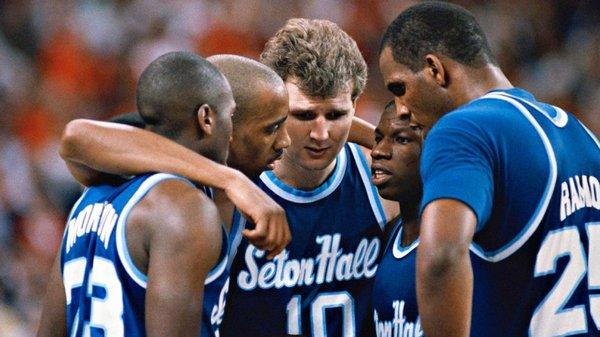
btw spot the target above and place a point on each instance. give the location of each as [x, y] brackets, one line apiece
[341, 300]
[551, 318]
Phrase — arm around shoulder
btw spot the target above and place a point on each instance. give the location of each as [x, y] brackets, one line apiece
[362, 133]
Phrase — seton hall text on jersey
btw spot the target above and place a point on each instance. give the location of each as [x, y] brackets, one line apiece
[331, 263]
[399, 326]
[99, 218]
[578, 192]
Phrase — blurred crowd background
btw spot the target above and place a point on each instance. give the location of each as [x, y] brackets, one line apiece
[65, 59]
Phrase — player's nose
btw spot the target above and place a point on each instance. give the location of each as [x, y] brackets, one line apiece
[283, 139]
[402, 111]
[320, 129]
[381, 150]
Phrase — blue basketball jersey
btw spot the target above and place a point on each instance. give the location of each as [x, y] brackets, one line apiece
[105, 291]
[394, 297]
[530, 172]
[321, 284]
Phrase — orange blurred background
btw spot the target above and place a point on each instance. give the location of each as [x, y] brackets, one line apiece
[64, 59]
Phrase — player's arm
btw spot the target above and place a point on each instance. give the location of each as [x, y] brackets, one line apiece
[91, 147]
[125, 150]
[444, 274]
[362, 133]
[53, 321]
[458, 188]
[183, 241]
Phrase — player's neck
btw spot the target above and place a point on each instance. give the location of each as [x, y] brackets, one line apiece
[477, 82]
[410, 225]
[296, 176]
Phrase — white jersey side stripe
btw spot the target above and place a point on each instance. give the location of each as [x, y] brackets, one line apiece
[536, 219]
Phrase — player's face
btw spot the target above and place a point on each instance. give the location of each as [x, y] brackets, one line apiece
[260, 139]
[318, 127]
[416, 91]
[395, 165]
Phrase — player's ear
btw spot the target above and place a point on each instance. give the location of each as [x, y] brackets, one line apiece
[206, 118]
[435, 68]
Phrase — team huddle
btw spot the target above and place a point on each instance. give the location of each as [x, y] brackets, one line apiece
[244, 198]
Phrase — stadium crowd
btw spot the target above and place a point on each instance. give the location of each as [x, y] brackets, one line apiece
[65, 59]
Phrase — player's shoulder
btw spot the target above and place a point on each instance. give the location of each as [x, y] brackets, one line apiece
[173, 203]
[487, 118]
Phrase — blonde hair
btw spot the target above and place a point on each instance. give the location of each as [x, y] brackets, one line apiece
[319, 55]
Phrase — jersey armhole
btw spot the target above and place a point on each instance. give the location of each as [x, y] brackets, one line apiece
[365, 175]
[534, 221]
[238, 224]
[121, 233]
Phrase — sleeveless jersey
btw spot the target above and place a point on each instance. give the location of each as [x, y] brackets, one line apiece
[321, 284]
[530, 172]
[105, 291]
[394, 294]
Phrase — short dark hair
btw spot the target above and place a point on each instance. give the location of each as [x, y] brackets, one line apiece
[437, 27]
[173, 87]
[247, 77]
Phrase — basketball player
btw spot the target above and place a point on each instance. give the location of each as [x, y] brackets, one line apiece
[258, 140]
[321, 284]
[516, 177]
[136, 257]
[395, 172]
[327, 175]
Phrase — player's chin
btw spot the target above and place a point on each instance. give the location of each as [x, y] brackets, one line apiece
[316, 165]
[388, 188]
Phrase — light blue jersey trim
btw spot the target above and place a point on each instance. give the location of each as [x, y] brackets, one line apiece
[560, 120]
[238, 223]
[399, 251]
[302, 197]
[122, 249]
[536, 219]
[217, 271]
[365, 175]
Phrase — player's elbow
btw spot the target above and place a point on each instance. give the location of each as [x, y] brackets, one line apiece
[72, 139]
[436, 261]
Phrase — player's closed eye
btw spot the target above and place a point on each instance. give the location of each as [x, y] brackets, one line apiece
[402, 140]
[398, 89]
[378, 138]
[335, 115]
[271, 129]
[304, 115]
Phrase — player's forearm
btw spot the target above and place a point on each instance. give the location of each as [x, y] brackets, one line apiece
[362, 133]
[125, 150]
[444, 290]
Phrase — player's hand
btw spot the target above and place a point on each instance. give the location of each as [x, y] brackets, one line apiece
[272, 232]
